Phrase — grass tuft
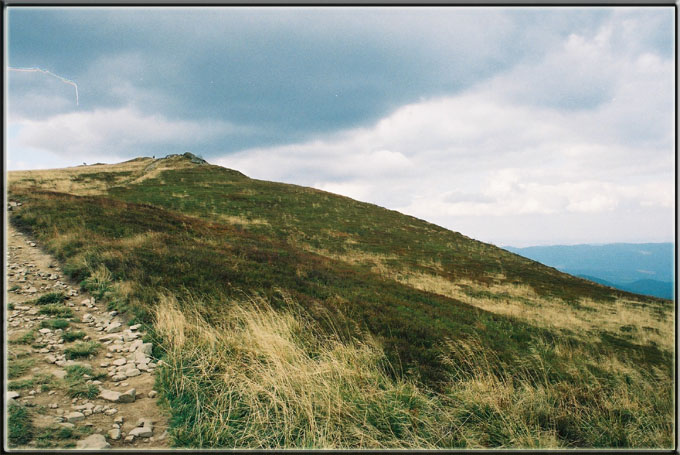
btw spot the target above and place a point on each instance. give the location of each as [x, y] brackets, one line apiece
[19, 425]
[99, 283]
[44, 381]
[54, 324]
[18, 367]
[82, 349]
[55, 309]
[26, 338]
[51, 297]
[76, 382]
[71, 336]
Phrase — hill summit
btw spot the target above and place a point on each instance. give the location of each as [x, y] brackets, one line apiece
[186, 156]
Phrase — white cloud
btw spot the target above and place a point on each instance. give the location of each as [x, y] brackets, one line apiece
[121, 132]
[585, 133]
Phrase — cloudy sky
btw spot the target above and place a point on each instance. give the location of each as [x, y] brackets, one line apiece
[515, 126]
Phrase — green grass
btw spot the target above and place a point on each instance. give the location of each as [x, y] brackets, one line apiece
[26, 338]
[43, 381]
[72, 336]
[77, 372]
[340, 394]
[55, 309]
[81, 390]
[60, 437]
[361, 274]
[19, 425]
[76, 378]
[82, 349]
[54, 324]
[10, 306]
[17, 367]
[50, 297]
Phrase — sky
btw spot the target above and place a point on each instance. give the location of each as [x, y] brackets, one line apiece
[512, 125]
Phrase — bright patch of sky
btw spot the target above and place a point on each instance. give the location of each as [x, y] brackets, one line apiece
[516, 126]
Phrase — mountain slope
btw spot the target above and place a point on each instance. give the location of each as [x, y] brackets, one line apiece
[201, 241]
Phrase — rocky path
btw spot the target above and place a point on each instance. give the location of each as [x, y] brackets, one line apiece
[122, 411]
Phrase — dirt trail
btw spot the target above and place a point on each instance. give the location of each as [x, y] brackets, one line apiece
[125, 413]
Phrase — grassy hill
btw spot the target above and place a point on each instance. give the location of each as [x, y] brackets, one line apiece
[293, 317]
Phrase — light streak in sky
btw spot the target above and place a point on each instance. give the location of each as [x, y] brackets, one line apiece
[40, 70]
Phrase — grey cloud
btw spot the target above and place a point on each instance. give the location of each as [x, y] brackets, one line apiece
[292, 74]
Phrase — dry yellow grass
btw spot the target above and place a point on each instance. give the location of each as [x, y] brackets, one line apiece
[232, 219]
[261, 378]
[522, 302]
[62, 180]
[377, 261]
[154, 168]
[298, 390]
[71, 179]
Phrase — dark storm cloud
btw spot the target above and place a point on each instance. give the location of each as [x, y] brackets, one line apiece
[286, 74]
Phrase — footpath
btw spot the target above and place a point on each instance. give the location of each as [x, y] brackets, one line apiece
[114, 404]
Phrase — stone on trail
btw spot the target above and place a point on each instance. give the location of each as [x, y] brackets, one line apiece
[128, 397]
[109, 395]
[93, 442]
[142, 432]
[114, 434]
[146, 348]
[144, 422]
[75, 416]
[140, 357]
[114, 327]
[132, 372]
[134, 345]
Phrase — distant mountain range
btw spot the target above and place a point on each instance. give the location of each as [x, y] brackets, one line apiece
[643, 268]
